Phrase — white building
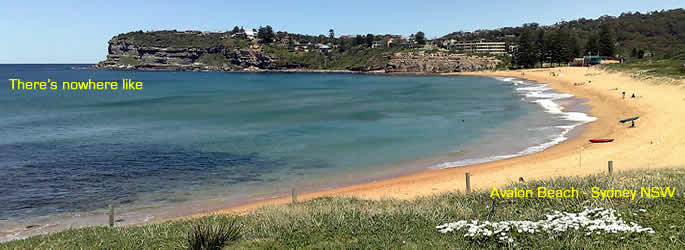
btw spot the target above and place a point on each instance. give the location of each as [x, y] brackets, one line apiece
[250, 33]
[481, 46]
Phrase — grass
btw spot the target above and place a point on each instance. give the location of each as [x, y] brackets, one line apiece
[213, 59]
[359, 58]
[672, 66]
[127, 60]
[213, 234]
[336, 222]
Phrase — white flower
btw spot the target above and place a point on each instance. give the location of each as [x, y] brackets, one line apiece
[595, 220]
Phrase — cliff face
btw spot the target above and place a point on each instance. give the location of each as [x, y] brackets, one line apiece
[125, 53]
[439, 63]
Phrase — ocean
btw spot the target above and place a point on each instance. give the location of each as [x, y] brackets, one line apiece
[194, 141]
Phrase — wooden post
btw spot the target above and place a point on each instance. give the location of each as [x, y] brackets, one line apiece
[111, 215]
[611, 167]
[468, 182]
[294, 194]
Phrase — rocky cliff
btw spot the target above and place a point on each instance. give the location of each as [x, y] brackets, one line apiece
[439, 63]
[126, 53]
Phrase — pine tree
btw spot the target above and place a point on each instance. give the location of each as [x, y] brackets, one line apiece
[541, 47]
[607, 40]
[526, 55]
[592, 46]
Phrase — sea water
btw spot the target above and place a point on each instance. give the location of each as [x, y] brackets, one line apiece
[194, 141]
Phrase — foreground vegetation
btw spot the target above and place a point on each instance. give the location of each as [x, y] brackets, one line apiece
[669, 65]
[355, 223]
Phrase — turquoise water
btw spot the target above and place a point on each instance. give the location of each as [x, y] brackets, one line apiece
[192, 136]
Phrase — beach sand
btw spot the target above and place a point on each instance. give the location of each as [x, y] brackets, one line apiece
[655, 142]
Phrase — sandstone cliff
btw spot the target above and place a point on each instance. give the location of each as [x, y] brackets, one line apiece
[439, 63]
[125, 53]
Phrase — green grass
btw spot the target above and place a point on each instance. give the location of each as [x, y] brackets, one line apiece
[672, 66]
[213, 59]
[361, 58]
[128, 60]
[390, 224]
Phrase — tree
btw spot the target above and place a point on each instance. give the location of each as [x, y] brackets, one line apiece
[541, 46]
[607, 41]
[358, 40]
[331, 34]
[235, 30]
[342, 45]
[576, 49]
[420, 38]
[592, 46]
[526, 56]
[556, 44]
[266, 34]
[633, 53]
[369, 40]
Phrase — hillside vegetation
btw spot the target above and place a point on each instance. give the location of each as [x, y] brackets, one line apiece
[390, 224]
[656, 32]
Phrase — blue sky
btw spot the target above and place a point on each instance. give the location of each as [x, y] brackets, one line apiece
[77, 31]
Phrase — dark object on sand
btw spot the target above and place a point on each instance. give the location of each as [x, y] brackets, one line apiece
[521, 179]
[601, 140]
[629, 119]
[632, 120]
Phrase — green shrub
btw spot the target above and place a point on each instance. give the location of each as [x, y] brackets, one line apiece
[128, 60]
[214, 233]
[213, 59]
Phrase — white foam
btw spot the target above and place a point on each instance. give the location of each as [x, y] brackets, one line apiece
[505, 79]
[541, 95]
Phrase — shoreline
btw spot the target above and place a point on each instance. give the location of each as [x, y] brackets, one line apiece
[563, 159]
[492, 173]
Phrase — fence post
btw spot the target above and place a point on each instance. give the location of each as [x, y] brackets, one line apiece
[294, 195]
[111, 215]
[468, 182]
[611, 167]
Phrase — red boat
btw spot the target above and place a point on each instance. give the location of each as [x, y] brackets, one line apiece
[601, 140]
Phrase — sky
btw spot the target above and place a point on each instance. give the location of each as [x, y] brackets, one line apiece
[48, 31]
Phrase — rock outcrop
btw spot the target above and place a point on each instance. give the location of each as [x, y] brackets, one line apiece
[125, 54]
[439, 63]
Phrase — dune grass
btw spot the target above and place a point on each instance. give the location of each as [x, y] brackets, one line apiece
[337, 222]
[672, 66]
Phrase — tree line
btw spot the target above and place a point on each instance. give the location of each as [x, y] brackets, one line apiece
[555, 45]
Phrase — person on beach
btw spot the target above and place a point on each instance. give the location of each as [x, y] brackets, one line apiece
[623, 94]
[633, 96]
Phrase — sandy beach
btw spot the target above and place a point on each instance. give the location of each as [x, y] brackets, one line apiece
[654, 142]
